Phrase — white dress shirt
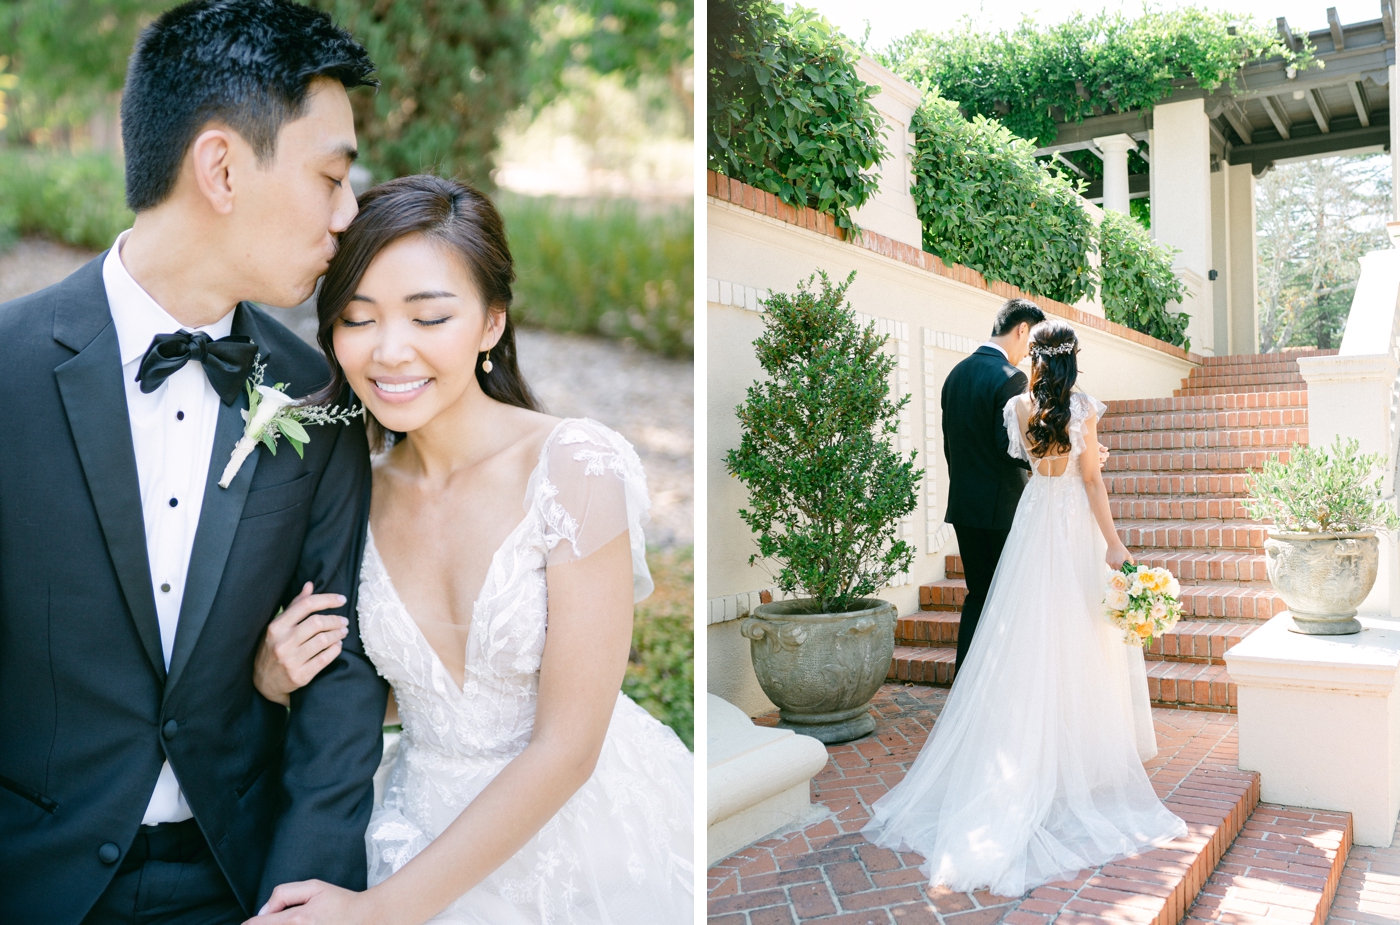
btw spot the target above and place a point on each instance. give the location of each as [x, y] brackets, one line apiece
[172, 430]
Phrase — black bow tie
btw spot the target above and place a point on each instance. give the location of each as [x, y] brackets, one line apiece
[226, 360]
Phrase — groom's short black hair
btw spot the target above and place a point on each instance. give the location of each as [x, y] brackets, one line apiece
[245, 63]
[1014, 312]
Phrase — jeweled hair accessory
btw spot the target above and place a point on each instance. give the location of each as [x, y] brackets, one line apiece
[1039, 351]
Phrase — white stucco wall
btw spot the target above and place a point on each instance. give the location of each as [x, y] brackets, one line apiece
[935, 322]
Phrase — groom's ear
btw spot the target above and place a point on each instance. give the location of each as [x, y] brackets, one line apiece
[212, 155]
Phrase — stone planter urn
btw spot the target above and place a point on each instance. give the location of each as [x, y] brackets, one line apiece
[821, 669]
[1323, 578]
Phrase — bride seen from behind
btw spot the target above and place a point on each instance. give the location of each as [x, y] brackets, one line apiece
[526, 788]
[1033, 770]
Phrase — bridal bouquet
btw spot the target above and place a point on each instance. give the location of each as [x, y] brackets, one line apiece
[1142, 602]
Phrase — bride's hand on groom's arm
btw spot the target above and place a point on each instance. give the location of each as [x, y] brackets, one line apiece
[312, 902]
[298, 644]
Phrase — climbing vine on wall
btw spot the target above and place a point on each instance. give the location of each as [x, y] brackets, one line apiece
[1033, 76]
[787, 113]
[985, 202]
[1137, 280]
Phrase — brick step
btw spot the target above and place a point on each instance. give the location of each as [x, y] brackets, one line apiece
[1284, 866]
[944, 595]
[1279, 437]
[1188, 685]
[1191, 686]
[1287, 355]
[1281, 372]
[1186, 461]
[1182, 535]
[928, 628]
[1202, 507]
[1219, 568]
[1219, 485]
[1266, 382]
[953, 566]
[1241, 388]
[1238, 401]
[940, 602]
[1204, 420]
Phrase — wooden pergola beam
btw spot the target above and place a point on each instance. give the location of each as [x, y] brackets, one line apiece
[1276, 115]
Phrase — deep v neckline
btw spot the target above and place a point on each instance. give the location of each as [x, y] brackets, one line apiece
[486, 582]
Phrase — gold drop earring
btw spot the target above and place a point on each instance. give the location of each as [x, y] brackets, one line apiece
[486, 364]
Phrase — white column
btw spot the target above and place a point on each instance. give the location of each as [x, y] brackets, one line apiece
[1115, 150]
[1394, 149]
[1181, 216]
[1241, 270]
[1220, 257]
[891, 211]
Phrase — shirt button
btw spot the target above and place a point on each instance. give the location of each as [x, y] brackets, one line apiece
[109, 853]
[165, 587]
[171, 727]
[179, 415]
[174, 502]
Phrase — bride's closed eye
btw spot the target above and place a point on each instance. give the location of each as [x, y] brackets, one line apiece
[429, 322]
[347, 323]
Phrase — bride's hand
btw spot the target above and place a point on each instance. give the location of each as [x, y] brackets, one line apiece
[1117, 555]
[312, 902]
[298, 644]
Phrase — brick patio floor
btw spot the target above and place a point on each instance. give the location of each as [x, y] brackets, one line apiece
[828, 873]
[1369, 893]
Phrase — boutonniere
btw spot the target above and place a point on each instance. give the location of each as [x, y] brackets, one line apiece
[271, 414]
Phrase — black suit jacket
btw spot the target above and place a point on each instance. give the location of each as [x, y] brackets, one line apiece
[984, 483]
[88, 712]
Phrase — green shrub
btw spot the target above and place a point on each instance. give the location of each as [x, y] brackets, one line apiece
[1321, 490]
[826, 488]
[76, 199]
[985, 202]
[661, 669]
[607, 267]
[1138, 282]
[787, 113]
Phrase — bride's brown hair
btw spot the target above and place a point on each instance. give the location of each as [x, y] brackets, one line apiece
[456, 216]
[1054, 350]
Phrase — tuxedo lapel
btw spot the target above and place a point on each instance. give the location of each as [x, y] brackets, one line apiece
[218, 518]
[94, 398]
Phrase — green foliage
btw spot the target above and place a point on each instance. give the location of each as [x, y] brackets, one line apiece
[1033, 76]
[985, 202]
[661, 669]
[1321, 490]
[606, 267]
[826, 488]
[1138, 282]
[787, 113]
[77, 199]
[449, 71]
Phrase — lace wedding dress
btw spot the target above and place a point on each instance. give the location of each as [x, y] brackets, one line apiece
[1033, 770]
[620, 850]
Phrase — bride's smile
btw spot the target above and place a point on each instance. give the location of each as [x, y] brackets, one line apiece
[406, 335]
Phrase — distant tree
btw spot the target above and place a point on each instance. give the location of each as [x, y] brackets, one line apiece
[1315, 220]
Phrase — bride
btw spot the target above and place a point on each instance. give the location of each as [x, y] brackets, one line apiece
[1034, 771]
[503, 558]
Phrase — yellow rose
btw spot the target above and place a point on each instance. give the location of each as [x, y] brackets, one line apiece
[1144, 630]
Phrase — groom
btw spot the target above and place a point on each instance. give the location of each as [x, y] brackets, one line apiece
[141, 776]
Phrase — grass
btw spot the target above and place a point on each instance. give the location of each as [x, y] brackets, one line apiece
[661, 669]
[608, 267]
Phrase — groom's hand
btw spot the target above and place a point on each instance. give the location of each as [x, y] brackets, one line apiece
[298, 644]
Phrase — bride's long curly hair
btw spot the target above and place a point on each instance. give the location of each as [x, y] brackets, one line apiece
[1054, 353]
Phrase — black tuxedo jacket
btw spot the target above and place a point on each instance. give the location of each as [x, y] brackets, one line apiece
[88, 712]
[984, 483]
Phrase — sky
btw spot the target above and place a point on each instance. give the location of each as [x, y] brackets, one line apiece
[889, 19]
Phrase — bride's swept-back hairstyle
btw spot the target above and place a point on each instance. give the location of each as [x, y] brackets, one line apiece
[1054, 350]
[464, 222]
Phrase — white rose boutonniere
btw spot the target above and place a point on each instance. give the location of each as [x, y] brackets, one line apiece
[271, 414]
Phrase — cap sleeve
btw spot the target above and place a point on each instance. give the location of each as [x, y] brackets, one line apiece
[591, 488]
[1082, 407]
[1015, 446]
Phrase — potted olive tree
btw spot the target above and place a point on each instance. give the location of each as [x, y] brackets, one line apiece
[826, 492]
[1322, 550]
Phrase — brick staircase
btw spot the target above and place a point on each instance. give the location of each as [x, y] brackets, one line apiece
[1175, 479]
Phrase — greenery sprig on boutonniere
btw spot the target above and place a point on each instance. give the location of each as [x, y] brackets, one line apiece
[271, 414]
